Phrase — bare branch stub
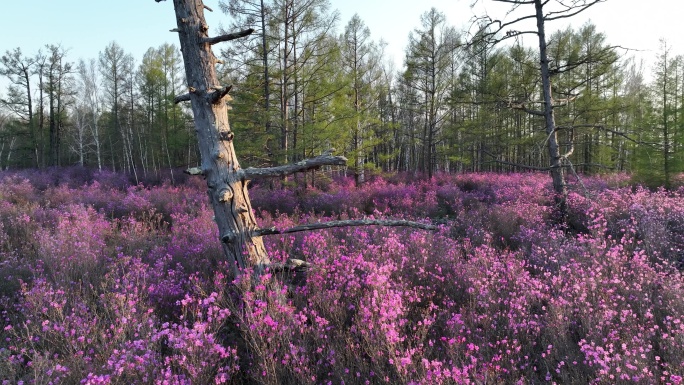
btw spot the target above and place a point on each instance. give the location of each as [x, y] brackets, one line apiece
[228, 37]
[194, 171]
[181, 98]
[218, 94]
[523, 107]
[292, 264]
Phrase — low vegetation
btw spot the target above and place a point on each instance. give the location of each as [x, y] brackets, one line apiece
[105, 282]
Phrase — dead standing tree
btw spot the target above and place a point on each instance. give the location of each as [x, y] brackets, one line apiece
[226, 181]
[495, 31]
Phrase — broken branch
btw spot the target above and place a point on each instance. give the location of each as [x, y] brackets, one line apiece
[228, 37]
[218, 94]
[307, 164]
[194, 171]
[292, 264]
[181, 98]
[522, 107]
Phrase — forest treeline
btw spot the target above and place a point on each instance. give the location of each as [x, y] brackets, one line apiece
[305, 82]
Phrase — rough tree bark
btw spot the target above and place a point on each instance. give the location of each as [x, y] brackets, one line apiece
[227, 183]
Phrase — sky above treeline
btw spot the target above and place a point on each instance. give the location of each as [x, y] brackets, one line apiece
[85, 27]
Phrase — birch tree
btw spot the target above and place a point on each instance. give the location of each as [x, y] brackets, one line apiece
[91, 101]
[8, 139]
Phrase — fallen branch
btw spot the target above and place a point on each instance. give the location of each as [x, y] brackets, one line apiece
[346, 223]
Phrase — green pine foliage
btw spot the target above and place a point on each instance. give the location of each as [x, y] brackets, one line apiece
[306, 82]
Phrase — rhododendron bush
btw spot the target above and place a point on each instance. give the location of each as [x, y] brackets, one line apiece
[104, 282]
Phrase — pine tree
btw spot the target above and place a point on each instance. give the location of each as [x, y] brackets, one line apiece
[427, 61]
[665, 91]
[361, 57]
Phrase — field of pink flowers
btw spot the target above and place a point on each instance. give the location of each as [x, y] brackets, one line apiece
[104, 282]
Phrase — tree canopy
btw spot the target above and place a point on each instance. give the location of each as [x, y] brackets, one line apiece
[306, 81]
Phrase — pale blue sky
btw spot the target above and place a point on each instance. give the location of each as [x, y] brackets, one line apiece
[85, 27]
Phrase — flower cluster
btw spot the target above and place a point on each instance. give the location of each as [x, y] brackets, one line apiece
[104, 282]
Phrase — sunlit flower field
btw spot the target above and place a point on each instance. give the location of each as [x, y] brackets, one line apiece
[105, 282]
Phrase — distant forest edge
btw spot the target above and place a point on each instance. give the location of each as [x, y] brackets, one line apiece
[302, 86]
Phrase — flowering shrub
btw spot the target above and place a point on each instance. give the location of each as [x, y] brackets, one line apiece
[105, 282]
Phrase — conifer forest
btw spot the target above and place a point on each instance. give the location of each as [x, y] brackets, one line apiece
[306, 81]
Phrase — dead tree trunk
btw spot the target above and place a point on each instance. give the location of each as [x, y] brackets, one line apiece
[556, 167]
[227, 183]
[493, 31]
[227, 193]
